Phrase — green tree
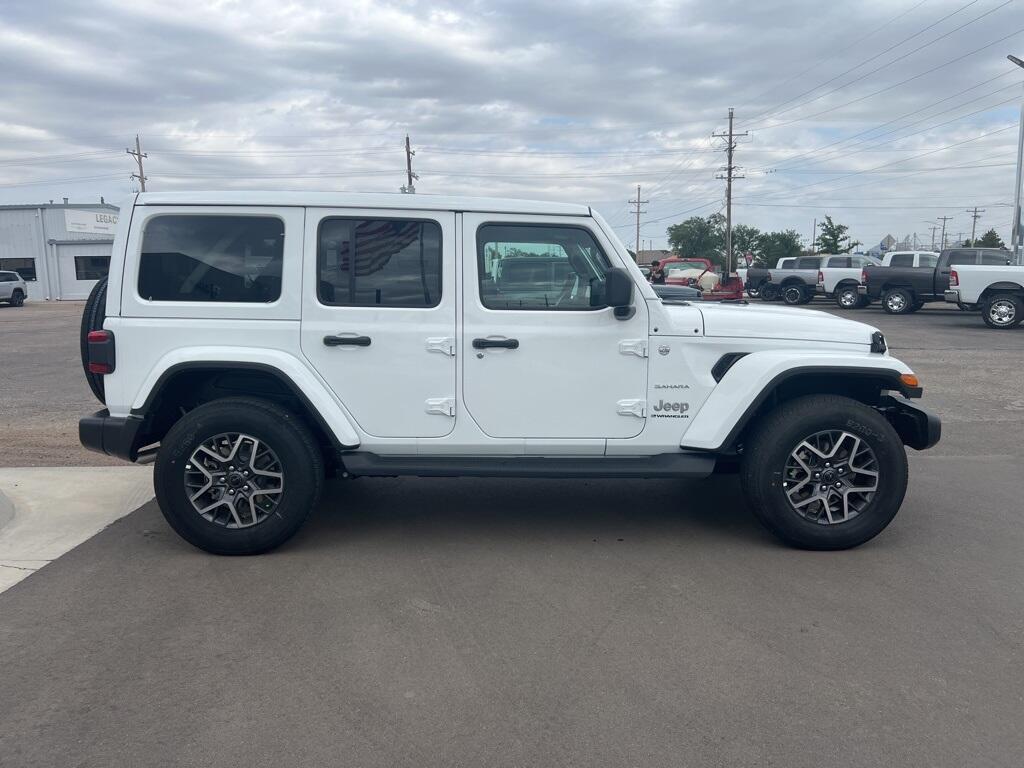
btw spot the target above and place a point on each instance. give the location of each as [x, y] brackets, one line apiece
[990, 239]
[772, 246]
[699, 237]
[744, 238]
[834, 238]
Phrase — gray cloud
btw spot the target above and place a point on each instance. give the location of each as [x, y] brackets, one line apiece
[568, 100]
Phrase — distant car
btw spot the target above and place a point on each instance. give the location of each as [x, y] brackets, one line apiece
[12, 288]
[677, 293]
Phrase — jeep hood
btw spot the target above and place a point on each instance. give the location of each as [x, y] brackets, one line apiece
[752, 321]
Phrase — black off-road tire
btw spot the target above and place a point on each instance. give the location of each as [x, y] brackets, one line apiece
[93, 315]
[898, 301]
[18, 298]
[1002, 311]
[792, 295]
[767, 449]
[282, 431]
[769, 292]
[754, 293]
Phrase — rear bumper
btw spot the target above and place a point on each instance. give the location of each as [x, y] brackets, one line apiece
[918, 427]
[113, 435]
[952, 296]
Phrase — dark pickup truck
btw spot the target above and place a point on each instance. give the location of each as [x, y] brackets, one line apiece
[906, 289]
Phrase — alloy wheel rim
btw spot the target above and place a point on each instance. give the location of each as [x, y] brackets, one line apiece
[848, 298]
[1002, 312]
[830, 477]
[896, 302]
[234, 480]
[793, 295]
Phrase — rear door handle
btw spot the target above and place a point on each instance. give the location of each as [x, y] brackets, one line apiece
[347, 341]
[495, 343]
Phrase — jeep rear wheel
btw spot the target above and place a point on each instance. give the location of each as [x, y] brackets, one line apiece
[93, 315]
[824, 472]
[17, 298]
[238, 476]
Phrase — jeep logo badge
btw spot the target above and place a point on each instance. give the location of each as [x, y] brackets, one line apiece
[662, 406]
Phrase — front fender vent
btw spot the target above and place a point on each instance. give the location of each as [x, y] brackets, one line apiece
[725, 362]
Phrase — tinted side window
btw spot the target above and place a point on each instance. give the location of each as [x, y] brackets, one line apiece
[788, 264]
[379, 263]
[24, 267]
[994, 257]
[212, 258]
[928, 260]
[840, 261]
[961, 257]
[539, 267]
[6, 277]
[807, 263]
[902, 260]
[91, 267]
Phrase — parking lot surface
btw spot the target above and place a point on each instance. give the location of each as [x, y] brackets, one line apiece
[495, 622]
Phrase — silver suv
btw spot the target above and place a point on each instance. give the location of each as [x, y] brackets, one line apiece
[12, 288]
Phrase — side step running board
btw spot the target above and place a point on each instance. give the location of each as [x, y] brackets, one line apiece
[691, 465]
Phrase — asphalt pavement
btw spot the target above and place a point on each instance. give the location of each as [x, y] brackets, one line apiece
[421, 622]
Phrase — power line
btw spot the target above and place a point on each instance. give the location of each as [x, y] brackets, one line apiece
[866, 75]
[832, 110]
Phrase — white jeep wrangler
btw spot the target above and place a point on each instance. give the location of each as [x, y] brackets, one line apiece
[254, 342]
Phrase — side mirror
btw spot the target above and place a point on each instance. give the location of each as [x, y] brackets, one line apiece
[618, 292]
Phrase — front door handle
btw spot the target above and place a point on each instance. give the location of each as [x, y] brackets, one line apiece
[347, 341]
[495, 343]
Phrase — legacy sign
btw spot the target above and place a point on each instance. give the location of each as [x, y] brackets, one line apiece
[91, 222]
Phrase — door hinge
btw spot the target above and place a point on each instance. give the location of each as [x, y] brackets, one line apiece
[636, 408]
[443, 344]
[636, 347]
[443, 406]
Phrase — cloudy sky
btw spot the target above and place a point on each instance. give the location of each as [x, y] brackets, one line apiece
[885, 114]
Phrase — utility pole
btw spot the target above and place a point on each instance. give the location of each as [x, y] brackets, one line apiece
[730, 174]
[638, 202]
[814, 236]
[944, 219]
[408, 186]
[1015, 234]
[138, 154]
[975, 215]
[934, 227]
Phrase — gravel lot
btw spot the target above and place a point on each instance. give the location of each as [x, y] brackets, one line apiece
[487, 622]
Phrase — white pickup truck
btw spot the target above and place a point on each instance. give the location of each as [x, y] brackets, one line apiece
[997, 290]
[839, 276]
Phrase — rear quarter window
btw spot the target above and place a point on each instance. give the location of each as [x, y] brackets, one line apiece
[212, 258]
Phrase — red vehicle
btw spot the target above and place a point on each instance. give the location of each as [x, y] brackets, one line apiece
[729, 287]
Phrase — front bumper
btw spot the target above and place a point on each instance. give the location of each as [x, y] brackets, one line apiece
[918, 427]
[113, 435]
[952, 296]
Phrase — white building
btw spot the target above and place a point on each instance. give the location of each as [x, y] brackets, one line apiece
[60, 249]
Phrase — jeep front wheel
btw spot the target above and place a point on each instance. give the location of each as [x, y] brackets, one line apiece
[238, 476]
[824, 472]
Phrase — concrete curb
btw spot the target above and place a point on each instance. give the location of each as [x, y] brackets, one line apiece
[47, 511]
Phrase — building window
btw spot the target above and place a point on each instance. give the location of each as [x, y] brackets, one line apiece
[212, 258]
[379, 263]
[91, 267]
[539, 267]
[24, 267]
